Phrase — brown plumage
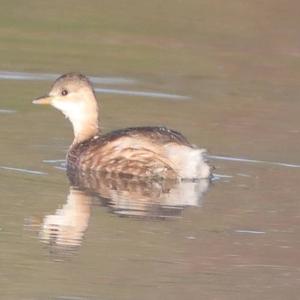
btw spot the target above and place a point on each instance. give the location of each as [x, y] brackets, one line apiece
[140, 151]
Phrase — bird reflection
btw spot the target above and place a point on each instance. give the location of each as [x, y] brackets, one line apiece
[124, 196]
[65, 228]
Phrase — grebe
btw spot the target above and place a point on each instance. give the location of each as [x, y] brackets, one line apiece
[154, 152]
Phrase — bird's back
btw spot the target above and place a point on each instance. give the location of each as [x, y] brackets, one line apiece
[138, 151]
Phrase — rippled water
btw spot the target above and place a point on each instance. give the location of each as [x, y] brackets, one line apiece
[228, 82]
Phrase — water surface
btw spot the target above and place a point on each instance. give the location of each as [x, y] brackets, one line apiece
[235, 69]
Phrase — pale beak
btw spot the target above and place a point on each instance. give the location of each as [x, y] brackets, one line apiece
[43, 100]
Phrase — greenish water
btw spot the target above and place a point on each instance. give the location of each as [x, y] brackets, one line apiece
[237, 66]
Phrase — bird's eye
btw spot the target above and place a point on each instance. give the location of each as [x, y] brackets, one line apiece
[64, 92]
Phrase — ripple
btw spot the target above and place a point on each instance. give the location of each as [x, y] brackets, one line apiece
[7, 75]
[253, 161]
[141, 93]
[23, 170]
[7, 111]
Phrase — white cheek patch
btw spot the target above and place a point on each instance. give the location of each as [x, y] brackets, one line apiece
[74, 111]
[71, 110]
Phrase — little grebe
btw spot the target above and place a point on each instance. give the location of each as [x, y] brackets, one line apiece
[140, 151]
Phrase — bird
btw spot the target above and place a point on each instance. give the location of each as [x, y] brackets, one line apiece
[147, 152]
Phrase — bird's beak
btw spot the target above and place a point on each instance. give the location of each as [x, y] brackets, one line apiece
[43, 100]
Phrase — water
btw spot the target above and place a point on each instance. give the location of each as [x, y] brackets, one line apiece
[235, 81]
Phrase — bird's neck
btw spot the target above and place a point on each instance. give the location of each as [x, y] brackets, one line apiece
[85, 123]
[84, 129]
